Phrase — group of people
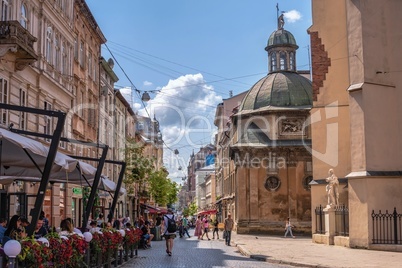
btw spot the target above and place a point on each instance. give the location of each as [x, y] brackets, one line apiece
[16, 228]
[202, 228]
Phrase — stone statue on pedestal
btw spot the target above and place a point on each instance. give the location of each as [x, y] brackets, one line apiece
[332, 189]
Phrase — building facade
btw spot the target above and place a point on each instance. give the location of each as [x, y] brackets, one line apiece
[356, 85]
[269, 144]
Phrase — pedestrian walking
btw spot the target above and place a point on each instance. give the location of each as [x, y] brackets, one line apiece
[184, 224]
[288, 228]
[205, 222]
[169, 231]
[228, 227]
[216, 229]
[198, 227]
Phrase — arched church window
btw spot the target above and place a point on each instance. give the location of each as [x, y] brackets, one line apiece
[272, 183]
[292, 61]
[273, 61]
[283, 61]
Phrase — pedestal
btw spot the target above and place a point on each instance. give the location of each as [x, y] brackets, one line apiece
[329, 225]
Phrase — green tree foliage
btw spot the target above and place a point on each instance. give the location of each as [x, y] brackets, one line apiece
[192, 209]
[138, 167]
[140, 170]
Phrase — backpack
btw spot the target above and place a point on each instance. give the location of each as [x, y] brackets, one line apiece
[171, 224]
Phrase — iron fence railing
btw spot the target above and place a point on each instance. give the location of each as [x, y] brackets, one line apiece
[319, 220]
[342, 220]
[387, 227]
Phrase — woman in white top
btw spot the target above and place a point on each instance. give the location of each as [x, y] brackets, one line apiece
[288, 228]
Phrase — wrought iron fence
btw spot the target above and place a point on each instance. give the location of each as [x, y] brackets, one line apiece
[387, 227]
[319, 220]
[342, 220]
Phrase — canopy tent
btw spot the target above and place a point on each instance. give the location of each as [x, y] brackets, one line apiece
[110, 186]
[22, 156]
[207, 212]
[149, 209]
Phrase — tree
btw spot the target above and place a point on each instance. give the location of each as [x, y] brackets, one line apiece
[138, 167]
[192, 208]
[141, 171]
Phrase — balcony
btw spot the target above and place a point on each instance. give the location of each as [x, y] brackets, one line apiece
[16, 39]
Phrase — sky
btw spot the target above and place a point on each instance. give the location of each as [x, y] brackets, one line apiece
[189, 55]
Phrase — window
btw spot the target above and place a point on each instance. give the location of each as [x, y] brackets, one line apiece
[283, 61]
[64, 62]
[94, 69]
[291, 61]
[273, 62]
[306, 182]
[49, 43]
[48, 128]
[82, 54]
[23, 115]
[272, 183]
[75, 49]
[24, 17]
[5, 10]
[57, 53]
[4, 99]
[90, 64]
[81, 109]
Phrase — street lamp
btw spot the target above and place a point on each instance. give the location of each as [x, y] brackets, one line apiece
[145, 96]
[12, 248]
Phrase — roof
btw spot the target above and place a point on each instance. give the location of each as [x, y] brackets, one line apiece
[281, 37]
[281, 89]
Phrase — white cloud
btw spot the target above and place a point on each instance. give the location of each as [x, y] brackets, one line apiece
[185, 109]
[147, 83]
[292, 16]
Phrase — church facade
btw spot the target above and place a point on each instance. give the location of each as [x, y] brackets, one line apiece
[270, 141]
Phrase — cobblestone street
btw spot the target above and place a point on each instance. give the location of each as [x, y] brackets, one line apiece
[191, 252]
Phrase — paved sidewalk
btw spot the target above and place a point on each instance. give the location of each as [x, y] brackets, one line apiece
[302, 252]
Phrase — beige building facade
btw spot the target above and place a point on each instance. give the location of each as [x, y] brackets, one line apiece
[269, 144]
[357, 103]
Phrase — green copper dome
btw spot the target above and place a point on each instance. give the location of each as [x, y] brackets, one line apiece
[282, 89]
[281, 37]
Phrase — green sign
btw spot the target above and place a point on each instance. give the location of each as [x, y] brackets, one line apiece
[77, 191]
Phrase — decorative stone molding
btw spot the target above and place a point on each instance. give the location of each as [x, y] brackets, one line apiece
[291, 126]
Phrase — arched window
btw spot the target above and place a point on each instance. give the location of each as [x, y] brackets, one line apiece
[24, 17]
[5, 10]
[283, 61]
[273, 62]
[49, 44]
[292, 61]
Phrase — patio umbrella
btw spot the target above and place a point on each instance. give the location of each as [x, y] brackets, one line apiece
[22, 156]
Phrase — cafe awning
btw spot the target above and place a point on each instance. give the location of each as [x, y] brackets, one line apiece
[25, 157]
[207, 212]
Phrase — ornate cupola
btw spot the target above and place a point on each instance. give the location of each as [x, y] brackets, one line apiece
[281, 48]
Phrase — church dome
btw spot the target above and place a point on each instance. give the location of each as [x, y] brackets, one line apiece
[281, 37]
[281, 90]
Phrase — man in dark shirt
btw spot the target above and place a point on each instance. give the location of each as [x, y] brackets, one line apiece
[158, 220]
[40, 230]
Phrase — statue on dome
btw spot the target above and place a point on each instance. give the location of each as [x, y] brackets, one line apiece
[281, 22]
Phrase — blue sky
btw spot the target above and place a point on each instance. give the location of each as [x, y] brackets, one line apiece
[190, 54]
